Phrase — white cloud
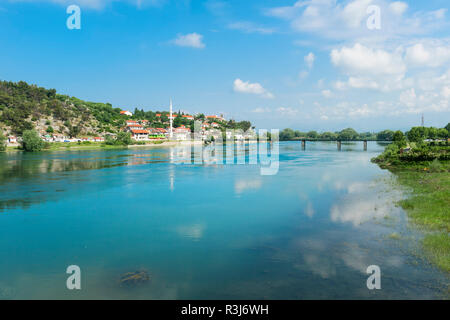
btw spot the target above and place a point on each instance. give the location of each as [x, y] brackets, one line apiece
[408, 97]
[398, 7]
[261, 110]
[361, 59]
[193, 40]
[445, 92]
[345, 20]
[287, 111]
[249, 27]
[98, 4]
[303, 74]
[252, 88]
[309, 60]
[428, 55]
[327, 93]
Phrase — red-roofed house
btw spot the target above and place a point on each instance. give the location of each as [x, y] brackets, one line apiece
[126, 113]
[139, 135]
[135, 126]
[215, 118]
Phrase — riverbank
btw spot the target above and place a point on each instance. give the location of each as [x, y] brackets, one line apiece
[58, 146]
[428, 202]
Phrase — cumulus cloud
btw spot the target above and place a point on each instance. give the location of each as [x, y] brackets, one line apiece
[361, 59]
[408, 97]
[252, 88]
[428, 55]
[343, 20]
[445, 92]
[398, 7]
[309, 60]
[97, 4]
[193, 40]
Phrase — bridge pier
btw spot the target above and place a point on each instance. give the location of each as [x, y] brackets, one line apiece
[365, 145]
[339, 145]
[303, 144]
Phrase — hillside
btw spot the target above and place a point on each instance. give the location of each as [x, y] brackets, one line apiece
[24, 107]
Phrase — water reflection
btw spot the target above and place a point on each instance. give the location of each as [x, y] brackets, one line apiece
[308, 232]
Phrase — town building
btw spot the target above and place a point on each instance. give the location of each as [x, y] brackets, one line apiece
[126, 113]
[139, 135]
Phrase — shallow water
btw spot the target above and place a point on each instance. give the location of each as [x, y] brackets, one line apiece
[208, 231]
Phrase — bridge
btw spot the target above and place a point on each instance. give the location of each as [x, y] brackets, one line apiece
[338, 143]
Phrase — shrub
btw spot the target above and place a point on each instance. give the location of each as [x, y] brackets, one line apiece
[123, 138]
[436, 166]
[31, 141]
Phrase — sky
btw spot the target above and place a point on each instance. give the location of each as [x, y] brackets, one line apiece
[309, 65]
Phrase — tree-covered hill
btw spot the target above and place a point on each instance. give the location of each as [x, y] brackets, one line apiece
[24, 107]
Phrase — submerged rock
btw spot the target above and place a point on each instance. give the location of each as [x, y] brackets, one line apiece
[6, 293]
[136, 278]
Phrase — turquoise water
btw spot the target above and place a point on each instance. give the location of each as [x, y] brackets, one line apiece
[207, 231]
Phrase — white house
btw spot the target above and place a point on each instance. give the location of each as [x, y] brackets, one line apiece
[182, 133]
[139, 135]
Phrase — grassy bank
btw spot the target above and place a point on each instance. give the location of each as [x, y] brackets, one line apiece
[54, 146]
[428, 203]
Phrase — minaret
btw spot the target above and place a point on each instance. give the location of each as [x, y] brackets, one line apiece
[171, 121]
[423, 120]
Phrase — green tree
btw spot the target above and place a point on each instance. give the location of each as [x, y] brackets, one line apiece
[348, 134]
[399, 139]
[2, 141]
[123, 138]
[328, 136]
[385, 135]
[448, 127]
[244, 125]
[31, 141]
[432, 133]
[442, 133]
[200, 117]
[416, 134]
[287, 134]
[312, 134]
[49, 129]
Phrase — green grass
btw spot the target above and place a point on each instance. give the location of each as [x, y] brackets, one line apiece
[437, 247]
[428, 205]
[53, 146]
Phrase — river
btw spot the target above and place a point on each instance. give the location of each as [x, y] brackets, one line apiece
[207, 231]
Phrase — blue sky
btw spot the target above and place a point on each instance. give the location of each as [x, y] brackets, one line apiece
[309, 65]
